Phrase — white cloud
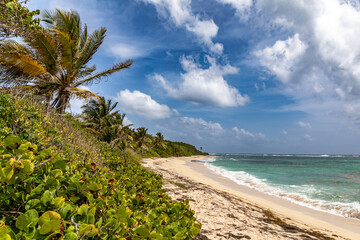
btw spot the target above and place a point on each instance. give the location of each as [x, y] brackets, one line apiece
[244, 135]
[305, 125]
[199, 125]
[282, 58]
[125, 50]
[143, 105]
[319, 61]
[204, 86]
[242, 7]
[179, 11]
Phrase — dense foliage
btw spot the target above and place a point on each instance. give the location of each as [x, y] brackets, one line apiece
[107, 124]
[54, 62]
[59, 182]
[16, 19]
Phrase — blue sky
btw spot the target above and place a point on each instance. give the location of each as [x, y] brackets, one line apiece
[240, 76]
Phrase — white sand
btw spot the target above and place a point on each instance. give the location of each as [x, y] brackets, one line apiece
[227, 210]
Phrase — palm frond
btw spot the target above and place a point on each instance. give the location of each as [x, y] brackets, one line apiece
[117, 67]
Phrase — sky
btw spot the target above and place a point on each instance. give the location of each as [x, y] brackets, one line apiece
[233, 76]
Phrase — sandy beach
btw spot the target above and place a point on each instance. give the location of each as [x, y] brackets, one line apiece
[227, 210]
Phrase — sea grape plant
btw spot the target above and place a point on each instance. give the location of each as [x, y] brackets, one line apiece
[52, 190]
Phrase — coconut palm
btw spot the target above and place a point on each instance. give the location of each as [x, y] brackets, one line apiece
[141, 138]
[159, 141]
[54, 62]
[96, 113]
[101, 119]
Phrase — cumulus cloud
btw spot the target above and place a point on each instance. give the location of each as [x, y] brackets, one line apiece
[143, 105]
[179, 11]
[282, 58]
[244, 135]
[204, 86]
[199, 124]
[312, 49]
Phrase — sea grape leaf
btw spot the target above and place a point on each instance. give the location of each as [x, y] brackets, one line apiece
[95, 187]
[31, 203]
[71, 236]
[6, 174]
[47, 198]
[12, 142]
[60, 164]
[4, 234]
[88, 229]
[57, 173]
[59, 202]
[23, 148]
[49, 216]
[23, 222]
[28, 167]
[45, 228]
[33, 215]
[142, 231]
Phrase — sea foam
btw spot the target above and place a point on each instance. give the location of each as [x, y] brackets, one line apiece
[293, 193]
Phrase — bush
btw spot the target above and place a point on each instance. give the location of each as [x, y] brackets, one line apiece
[59, 182]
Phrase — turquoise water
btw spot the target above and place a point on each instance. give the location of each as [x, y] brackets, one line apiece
[322, 182]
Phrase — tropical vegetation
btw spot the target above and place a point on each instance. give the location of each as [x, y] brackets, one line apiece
[67, 177]
[58, 181]
[16, 19]
[54, 62]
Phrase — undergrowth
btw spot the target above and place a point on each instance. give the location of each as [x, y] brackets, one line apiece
[59, 182]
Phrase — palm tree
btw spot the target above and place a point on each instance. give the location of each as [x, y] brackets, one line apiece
[141, 138]
[101, 119]
[54, 62]
[96, 113]
[159, 141]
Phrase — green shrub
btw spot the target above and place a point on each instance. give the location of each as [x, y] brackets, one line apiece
[59, 182]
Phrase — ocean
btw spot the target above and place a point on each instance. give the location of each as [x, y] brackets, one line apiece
[329, 183]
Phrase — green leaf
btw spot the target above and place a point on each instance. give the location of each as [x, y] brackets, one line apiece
[4, 234]
[45, 228]
[60, 165]
[95, 187]
[6, 174]
[47, 198]
[24, 148]
[88, 229]
[155, 236]
[59, 202]
[57, 173]
[49, 216]
[12, 142]
[70, 236]
[32, 214]
[142, 231]
[28, 167]
[83, 209]
[23, 222]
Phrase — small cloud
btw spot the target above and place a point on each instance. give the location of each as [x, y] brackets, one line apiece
[200, 125]
[284, 132]
[242, 134]
[142, 105]
[125, 50]
[305, 125]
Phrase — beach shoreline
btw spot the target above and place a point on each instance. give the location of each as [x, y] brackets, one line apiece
[246, 212]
